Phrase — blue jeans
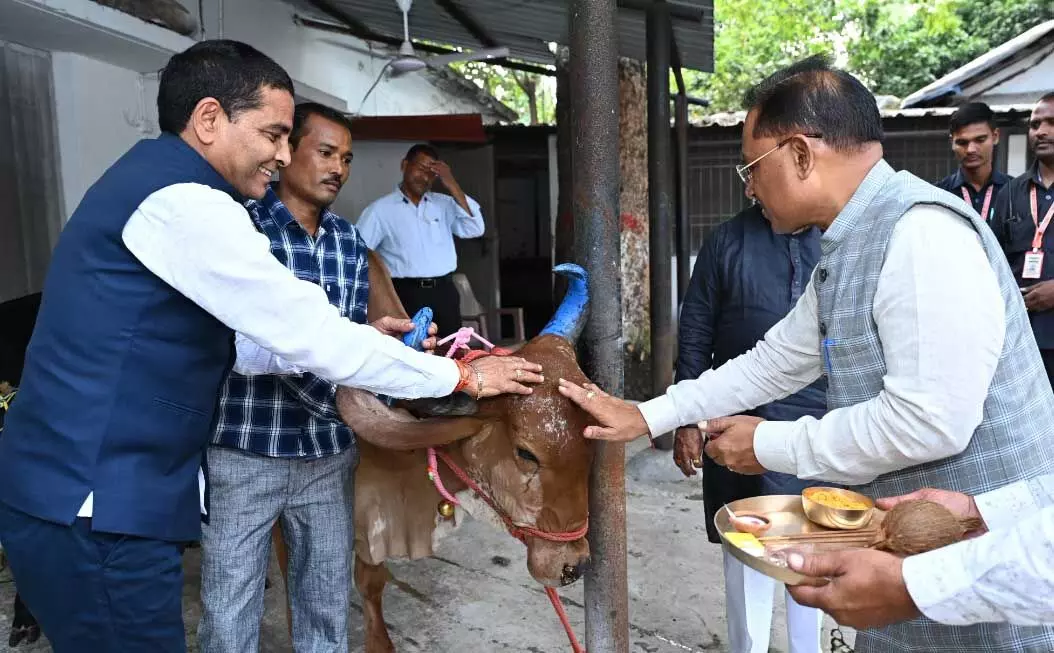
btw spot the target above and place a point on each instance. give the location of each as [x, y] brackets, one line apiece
[312, 500]
[96, 592]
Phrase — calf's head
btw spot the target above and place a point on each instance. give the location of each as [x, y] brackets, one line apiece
[525, 451]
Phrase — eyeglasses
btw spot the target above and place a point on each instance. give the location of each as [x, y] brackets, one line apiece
[744, 170]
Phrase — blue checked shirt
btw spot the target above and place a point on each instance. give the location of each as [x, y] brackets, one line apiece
[296, 416]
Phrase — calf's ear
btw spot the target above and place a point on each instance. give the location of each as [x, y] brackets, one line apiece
[458, 404]
[396, 428]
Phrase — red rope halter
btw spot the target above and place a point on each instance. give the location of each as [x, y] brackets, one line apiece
[520, 531]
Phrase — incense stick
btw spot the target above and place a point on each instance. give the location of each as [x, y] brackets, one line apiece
[835, 536]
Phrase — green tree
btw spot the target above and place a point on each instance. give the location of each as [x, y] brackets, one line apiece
[531, 95]
[896, 46]
[753, 39]
[900, 47]
[998, 21]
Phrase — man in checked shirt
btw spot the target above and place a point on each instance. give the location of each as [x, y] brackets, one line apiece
[279, 451]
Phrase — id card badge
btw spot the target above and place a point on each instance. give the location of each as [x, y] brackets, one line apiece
[1033, 265]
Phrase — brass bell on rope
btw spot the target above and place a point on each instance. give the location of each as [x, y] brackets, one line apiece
[446, 509]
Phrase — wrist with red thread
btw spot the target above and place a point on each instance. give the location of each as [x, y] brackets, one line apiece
[466, 376]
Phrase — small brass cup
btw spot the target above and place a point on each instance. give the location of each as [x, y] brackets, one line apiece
[839, 518]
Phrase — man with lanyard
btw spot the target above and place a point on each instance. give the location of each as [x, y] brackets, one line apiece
[279, 451]
[413, 230]
[974, 138]
[913, 317]
[103, 476]
[1023, 212]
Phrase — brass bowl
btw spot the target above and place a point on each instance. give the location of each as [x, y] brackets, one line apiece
[839, 518]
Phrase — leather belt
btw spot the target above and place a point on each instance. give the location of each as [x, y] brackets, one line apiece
[421, 282]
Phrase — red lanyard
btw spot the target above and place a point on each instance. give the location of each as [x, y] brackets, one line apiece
[1037, 240]
[987, 200]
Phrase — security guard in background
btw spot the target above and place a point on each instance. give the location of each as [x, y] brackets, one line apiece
[974, 137]
[1023, 212]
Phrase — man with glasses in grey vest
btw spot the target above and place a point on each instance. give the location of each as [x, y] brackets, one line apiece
[912, 314]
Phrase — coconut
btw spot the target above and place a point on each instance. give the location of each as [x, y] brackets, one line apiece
[915, 527]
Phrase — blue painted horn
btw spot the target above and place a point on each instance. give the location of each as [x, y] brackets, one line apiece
[570, 318]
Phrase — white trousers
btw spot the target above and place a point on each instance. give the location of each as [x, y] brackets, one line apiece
[748, 608]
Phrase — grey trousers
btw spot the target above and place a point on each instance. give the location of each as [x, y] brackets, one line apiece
[312, 499]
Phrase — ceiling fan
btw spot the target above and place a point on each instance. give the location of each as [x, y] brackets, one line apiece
[407, 61]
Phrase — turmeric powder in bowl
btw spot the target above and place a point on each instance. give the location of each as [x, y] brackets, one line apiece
[836, 500]
[836, 507]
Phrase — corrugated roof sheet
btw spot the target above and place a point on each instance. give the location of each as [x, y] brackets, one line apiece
[995, 57]
[527, 26]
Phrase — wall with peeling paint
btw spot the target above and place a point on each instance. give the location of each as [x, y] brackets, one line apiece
[633, 209]
[633, 205]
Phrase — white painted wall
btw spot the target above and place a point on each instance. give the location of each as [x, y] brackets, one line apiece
[1017, 155]
[374, 172]
[88, 28]
[101, 110]
[104, 106]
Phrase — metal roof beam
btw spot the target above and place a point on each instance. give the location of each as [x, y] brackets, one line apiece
[370, 35]
[675, 58]
[677, 10]
[675, 63]
[468, 22]
[354, 25]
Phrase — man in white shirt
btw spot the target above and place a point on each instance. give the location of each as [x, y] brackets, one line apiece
[1006, 574]
[912, 314]
[413, 230]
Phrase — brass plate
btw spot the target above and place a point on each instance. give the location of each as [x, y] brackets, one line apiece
[787, 516]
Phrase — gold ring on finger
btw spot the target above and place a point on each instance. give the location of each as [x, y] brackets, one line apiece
[591, 395]
[697, 461]
[519, 373]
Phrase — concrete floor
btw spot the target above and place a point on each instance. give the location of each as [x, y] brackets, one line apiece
[476, 594]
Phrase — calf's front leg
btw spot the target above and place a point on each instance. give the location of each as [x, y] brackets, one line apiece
[370, 581]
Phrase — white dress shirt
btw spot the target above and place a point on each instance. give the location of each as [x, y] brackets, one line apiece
[202, 243]
[941, 321]
[1004, 575]
[251, 359]
[418, 241]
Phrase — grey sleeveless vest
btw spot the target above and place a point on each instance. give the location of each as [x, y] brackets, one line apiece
[1016, 436]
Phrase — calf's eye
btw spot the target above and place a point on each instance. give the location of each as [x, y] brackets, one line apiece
[526, 455]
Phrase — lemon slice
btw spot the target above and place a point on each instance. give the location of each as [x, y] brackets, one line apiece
[746, 542]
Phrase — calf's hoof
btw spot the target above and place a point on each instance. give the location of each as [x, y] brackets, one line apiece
[381, 645]
[19, 634]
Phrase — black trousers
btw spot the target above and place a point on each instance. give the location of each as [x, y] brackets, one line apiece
[439, 294]
[1048, 362]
